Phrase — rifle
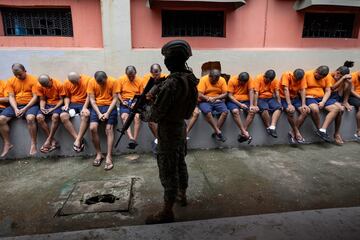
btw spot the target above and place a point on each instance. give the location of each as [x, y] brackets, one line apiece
[140, 102]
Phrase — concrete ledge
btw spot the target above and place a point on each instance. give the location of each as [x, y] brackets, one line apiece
[200, 136]
[329, 224]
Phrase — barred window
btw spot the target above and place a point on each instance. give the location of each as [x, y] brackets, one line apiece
[329, 25]
[193, 23]
[37, 22]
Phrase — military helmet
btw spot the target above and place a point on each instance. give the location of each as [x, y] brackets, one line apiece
[177, 48]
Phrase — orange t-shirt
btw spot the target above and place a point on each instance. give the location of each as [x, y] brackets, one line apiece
[147, 77]
[356, 81]
[266, 90]
[128, 89]
[52, 94]
[240, 90]
[315, 88]
[77, 92]
[23, 90]
[294, 86]
[2, 93]
[103, 94]
[210, 90]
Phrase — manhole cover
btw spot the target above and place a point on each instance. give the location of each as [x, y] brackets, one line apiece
[98, 196]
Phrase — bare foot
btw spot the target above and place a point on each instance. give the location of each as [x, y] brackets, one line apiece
[33, 150]
[338, 139]
[6, 149]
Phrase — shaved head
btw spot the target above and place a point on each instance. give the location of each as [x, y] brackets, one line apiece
[214, 75]
[130, 72]
[74, 77]
[100, 77]
[19, 71]
[44, 80]
[155, 68]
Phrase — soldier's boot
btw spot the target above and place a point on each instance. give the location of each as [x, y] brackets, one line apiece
[181, 197]
[166, 215]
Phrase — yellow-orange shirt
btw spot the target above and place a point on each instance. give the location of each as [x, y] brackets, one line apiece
[77, 92]
[2, 93]
[23, 90]
[266, 90]
[239, 90]
[212, 90]
[52, 94]
[103, 93]
[356, 81]
[294, 86]
[128, 89]
[147, 77]
[315, 88]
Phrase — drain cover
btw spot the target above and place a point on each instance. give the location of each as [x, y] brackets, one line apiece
[99, 196]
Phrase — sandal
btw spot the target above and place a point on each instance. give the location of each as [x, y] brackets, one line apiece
[132, 144]
[45, 149]
[80, 148]
[97, 162]
[108, 166]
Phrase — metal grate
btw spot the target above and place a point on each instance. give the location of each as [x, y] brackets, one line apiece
[192, 23]
[37, 21]
[329, 25]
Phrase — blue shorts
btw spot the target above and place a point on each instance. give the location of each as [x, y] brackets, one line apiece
[329, 102]
[295, 102]
[56, 111]
[269, 104]
[125, 109]
[336, 96]
[231, 106]
[1, 110]
[112, 118]
[9, 111]
[216, 108]
[76, 106]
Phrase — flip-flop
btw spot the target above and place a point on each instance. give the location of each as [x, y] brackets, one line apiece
[54, 147]
[44, 149]
[132, 144]
[80, 148]
[108, 166]
[97, 162]
[291, 139]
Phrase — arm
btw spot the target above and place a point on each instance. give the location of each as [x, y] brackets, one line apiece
[87, 102]
[203, 97]
[111, 108]
[221, 96]
[120, 99]
[94, 105]
[66, 103]
[4, 99]
[12, 102]
[355, 94]
[163, 102]
[58, 104]
[325, 98]
[32, 102]
[340, 81]
[277, 96]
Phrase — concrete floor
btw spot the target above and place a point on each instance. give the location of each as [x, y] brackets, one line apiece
[223, 183]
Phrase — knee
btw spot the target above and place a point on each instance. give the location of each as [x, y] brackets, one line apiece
[124, 117]
[196, 114]
[93, 128]
[3, 120]
[235, 112]
[31, 118]
[315, 110]
[224, 113]
[137, 118]
[64, 117]
[84, 117]
[109, 130]
[55, 118]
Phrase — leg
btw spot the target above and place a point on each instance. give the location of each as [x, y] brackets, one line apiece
[333, 111]
[337, 135]
[55, 119]
[109, 130]
[222, 119]
[346, 95]
[210, 119]
[193, 119]
[249, 119]
[5, 134]
[31, 122]
[301, 119]
[275, 117]
[315, 114]
[40, 118]
[84, 124]
[65, 119]
[137, 125]
[236, 116]
[124, 116]
[153, 128]
[96, 141]
[292, 121]
[265, 116]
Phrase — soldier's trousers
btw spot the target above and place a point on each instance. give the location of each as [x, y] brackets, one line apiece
[171, 159]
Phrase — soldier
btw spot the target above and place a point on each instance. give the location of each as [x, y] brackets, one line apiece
[174, 101]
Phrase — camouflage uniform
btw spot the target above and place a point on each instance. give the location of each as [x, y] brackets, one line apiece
[175, 100]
